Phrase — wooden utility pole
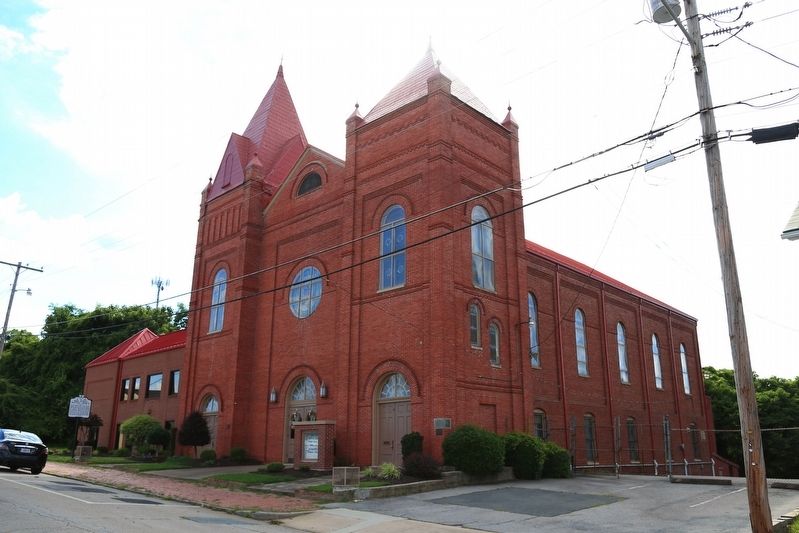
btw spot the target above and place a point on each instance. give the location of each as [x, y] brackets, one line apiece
[755, 466]
[19, 266]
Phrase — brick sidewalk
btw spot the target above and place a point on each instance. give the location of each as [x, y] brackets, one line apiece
[185, 491]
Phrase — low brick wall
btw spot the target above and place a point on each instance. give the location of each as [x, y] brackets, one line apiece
[448, 480]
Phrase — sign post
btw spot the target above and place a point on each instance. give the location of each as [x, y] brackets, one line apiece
[79, 407]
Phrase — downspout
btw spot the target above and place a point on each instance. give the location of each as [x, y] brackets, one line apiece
[604, 337]
[561, 370]
[644, 379]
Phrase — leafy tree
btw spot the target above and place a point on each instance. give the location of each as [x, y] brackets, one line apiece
[137, 428]
[194, 431]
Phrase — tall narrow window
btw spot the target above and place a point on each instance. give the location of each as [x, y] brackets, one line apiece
[124, 391]
[218, 301]
[305, 292]
[540, 424]
[590, 438]
[632, 441]
[532, 325]
[474, 326]
[695, 440]
[134, 390]
[482, 249]
[579, 336]
[621, 343]
[656, 362]
[392, 248]
[493, 344]
[154, 383]
[686, 381]
[174, 382]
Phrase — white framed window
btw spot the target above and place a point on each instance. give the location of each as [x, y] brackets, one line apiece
[482, 249]
[686, 380]
[395, 387]
[474, 326]
[540, 425]
[656, 362]
[493, 344]
[532, 325]
[621, 344]
[218, 301]
[210, 405]
[580, 342]
[392, 248]
[305, 292]
[304, 390]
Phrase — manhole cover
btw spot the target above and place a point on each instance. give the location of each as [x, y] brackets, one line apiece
[533, 502]
[136, 500]
[215, 520]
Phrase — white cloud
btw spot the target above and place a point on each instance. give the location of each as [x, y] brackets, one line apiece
[11, 42]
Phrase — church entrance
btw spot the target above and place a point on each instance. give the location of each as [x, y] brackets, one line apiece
[393, 418]
[301, 407]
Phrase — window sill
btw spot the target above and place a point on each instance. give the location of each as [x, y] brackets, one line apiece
[392, 288]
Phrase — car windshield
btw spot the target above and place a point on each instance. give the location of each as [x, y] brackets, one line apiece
[22, 435]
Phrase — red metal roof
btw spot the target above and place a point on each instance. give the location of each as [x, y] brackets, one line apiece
[142, 343]
[585, 270]
[274, 125]
[414, 86]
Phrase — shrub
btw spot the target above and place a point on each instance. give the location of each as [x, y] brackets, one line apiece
[137, 428]
[208, 457]
[525, 454]
[389, 471]
[102, 450]
[238, 455]
[159, 437]
[368, 472]
[421, 466]
[411, 443]
[474, 450]
[273, 468]
[194, 431]
[122, 452]
[557, 463]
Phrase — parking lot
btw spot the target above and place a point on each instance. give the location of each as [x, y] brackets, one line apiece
[590, 503]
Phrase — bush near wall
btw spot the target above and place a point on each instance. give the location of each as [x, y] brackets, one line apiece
[474, 450]
[525, 454]
[557, 463]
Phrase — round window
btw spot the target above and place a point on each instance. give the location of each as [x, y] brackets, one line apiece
[306, 291]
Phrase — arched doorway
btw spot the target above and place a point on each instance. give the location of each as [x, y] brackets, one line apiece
[393, 418]
[209, 407]
[301, 406]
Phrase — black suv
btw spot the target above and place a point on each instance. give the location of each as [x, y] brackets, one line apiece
[20, 449]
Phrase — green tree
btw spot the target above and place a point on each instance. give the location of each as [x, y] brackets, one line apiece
[194, 431]
[137, 428]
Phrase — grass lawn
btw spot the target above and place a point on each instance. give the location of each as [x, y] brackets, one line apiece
[94, 460]
[254, 478]
[328, 487]
[131, 465]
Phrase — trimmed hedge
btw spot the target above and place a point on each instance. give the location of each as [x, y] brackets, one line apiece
[421, 466]
[525, 454]
[474, 450]
[411, 443]
[557, 463]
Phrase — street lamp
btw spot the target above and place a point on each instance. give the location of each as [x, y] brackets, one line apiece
[754, 464]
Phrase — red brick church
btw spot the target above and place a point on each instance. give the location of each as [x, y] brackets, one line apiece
[394, 291]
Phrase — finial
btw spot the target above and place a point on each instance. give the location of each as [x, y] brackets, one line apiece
[509, 108]
[280, 68]
[210, 179]
[357, 105]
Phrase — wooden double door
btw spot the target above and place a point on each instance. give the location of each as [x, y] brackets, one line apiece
[394, 422]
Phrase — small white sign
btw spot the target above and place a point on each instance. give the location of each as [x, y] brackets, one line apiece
[80, 407]
[310, 446]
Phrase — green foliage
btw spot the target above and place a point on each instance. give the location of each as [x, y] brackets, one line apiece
[122, 452]
[159, 437]
[525, 454]
[208, 457]
[368, 472]
[238, 455]
[411, 443]
[102, 450]
[39, 376]
[389, 471]
[194, 431]
[137, 428]
[255, 478]
[273, 468]
[421, 466]
[557, 463]
[474, 450]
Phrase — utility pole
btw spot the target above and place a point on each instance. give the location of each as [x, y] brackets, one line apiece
[159, 284]
[754, 464]
[19, 267]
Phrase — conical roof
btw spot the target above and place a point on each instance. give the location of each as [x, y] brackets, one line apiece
[414, 86]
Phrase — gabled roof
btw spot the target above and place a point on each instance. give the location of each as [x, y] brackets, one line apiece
[791, 231]
[142, 343]
[274, 125]
[589, 272]
[414, 86]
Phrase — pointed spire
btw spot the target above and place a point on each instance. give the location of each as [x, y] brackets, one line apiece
[509, 122]
[355, 113]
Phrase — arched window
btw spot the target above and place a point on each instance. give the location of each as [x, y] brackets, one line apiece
[305, 292]
[532, 325]
[303, 390]
[540, 426]
[210, 405]
[686, 381]
[632, 441]
[218, 301]
[395, 387]
[310, 182]
[579, 337]
[474, 326]
[493, 344]
[656, 362]
[621, 343]
[392, 248]
[589, 427]
[482, 249]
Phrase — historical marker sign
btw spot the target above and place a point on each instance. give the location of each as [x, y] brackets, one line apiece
[80, 407]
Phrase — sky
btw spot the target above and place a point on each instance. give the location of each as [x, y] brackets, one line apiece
[114, 114]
